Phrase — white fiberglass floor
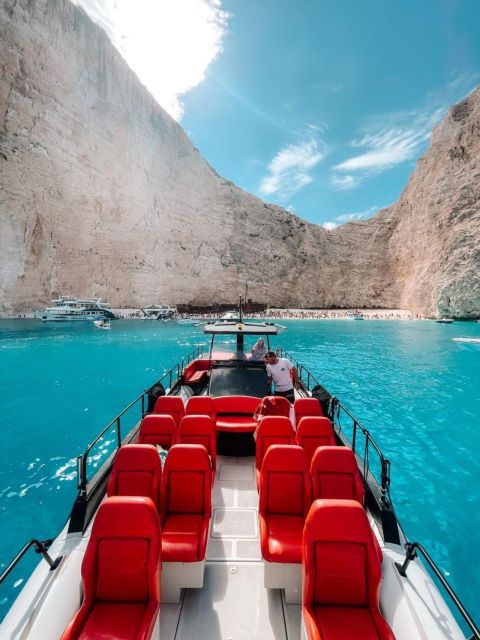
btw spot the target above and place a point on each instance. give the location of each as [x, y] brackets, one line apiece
[233, 603]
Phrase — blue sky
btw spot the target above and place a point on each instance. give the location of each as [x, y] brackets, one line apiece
[320, 106]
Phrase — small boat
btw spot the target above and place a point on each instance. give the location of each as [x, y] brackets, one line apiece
[232, 559]
[188, 320]
[444, 320]
[469, 343]
[102, 324]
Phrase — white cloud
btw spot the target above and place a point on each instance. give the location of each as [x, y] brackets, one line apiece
[350, 217]
[394, 138]
[290, 170]
[168, 44]
[356, 215]
[343, 183]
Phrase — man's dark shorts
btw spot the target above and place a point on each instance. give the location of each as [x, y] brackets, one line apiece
[289, 395]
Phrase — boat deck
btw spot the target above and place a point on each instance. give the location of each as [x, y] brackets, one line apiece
[233, 603]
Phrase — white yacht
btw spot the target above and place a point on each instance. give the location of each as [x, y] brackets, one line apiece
[68, 308]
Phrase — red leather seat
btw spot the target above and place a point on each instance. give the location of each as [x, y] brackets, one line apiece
[307, 407]
[201, 405]
[335, 474]
[158, 429]
[313, 432]
[136, 471]
[271, 430]
[342, 573]
[186, 503]
[235, 413]
[172, 406]
[199, 429]
[120, 573]
[273, 406]
[285, 497]
[196, 371]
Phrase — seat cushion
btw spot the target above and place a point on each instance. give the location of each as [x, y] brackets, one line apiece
[184, 538]
[345, 623]
[236, 423]
[122, 621]
[283, 542]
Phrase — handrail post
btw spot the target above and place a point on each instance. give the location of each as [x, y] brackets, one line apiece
[143, 404]
[385, 479]
[411, 554]
[119, 434]
[354, 435]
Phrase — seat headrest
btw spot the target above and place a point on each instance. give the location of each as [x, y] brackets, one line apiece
[194, 422]
[274, 406]
[164, 404]
[187, 457]
[308, 407]
[126, 517]
[334, 460]
[199, 404]
[158, 423]
[314, 425]
[279, 425]
[285, 457]
[137, 457]
[337, 521]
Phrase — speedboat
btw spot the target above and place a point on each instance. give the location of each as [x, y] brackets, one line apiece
[67, 308]
[469, 343]
[444, 320]
[214, 544]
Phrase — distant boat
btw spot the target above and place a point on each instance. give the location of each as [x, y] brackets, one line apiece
[157, 312]
[444, 320]
[469, 343]
[188, 320]
[67, 308]
[102, 324]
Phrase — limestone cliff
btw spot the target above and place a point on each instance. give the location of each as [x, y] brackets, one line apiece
[102, 193]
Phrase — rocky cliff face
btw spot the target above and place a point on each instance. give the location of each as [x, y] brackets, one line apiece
[102, 193]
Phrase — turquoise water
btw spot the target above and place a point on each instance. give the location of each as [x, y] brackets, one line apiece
[408, 383]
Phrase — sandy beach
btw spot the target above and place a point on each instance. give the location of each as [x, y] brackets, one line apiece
[280, 314]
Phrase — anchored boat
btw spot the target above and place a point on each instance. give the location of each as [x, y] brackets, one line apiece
[67, 309]
[210, 509]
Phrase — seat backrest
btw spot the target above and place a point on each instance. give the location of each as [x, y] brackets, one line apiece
[158, 429]
[187, 481]
[307, 407]
[122, 559]
[285, 486]
[171, 405]
[236, 405]
[313, 432]
[272, 430]
[136, 471]
[273, 406]
[335, 474]
[340, 560]
[199, 429]
[201, 405]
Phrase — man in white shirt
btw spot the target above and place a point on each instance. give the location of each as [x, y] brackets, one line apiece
[283, 374]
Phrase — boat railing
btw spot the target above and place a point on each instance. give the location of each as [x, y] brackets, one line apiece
[169, 378]
[40, 547]
[360, 438]
[412, 549]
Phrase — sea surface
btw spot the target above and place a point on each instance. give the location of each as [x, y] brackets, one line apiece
[415, 390]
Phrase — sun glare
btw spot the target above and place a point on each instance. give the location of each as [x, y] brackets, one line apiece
[169, 44]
